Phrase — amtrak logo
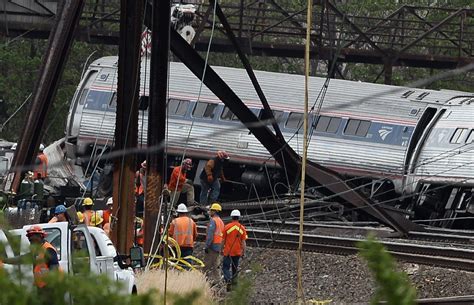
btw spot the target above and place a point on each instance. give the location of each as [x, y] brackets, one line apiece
[383, 133]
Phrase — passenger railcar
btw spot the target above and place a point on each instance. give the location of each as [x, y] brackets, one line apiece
[392, 141]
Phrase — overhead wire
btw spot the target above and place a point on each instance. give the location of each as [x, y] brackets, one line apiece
[168, 217]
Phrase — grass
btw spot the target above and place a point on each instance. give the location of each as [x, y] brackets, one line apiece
[188, 287]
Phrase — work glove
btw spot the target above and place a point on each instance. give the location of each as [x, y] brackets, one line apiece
[210, 178]
[206, 250]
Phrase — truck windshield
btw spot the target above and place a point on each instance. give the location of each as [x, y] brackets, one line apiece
[54, 238]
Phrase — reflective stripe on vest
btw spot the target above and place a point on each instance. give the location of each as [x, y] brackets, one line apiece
[40, 267]
[183, 231]
[218, 231]
[235, 227]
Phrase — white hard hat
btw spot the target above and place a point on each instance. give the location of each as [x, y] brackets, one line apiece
[235, 213]
[110, 201]
[41, 148]
[182, 208]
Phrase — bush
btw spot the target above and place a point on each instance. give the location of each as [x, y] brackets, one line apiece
[392, 287]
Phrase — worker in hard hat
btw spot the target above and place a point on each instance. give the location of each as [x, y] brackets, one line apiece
[96, 221]
[184, 230]
[45, 257]
[233, 247]
[60, 214]
[180, 184]
[209, 177]
[213, 244]
[107, 213]
[87, 205]
[41, 164]
[80, 217]
[139, 234]
[140, 188]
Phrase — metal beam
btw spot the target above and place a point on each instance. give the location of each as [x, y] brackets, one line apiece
[267, 113]
[332, 184]
[355, 27]
[126, 125]
[57, 52]
[431, 30]
[156, 116]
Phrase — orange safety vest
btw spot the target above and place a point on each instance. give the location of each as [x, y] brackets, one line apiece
[234, 234]
[183, 229]
[177, 177]
[218, 231]
[106, 214]
[140, 238]
[87, 216]
[42, 168]
[139, 189]
[40, 268]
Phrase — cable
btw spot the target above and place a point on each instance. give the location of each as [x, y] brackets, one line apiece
[192, 124]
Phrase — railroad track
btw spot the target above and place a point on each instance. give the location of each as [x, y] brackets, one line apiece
[431, 234]
[448, 257]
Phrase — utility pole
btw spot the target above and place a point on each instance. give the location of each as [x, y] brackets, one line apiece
[126, 125]
[300, 290]
[59, 43]
[160, 36]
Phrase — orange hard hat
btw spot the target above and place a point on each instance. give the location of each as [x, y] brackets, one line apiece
[35, 230]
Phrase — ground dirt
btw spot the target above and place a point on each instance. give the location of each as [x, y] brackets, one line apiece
[342, 279]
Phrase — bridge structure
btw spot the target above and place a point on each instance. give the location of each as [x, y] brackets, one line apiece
[410, 36]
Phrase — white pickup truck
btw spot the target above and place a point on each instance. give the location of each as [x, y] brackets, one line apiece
[94, 246]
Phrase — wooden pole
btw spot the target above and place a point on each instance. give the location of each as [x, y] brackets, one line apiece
[126, 124]
[300, 292]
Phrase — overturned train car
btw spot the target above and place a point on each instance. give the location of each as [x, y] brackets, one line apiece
[413, 148]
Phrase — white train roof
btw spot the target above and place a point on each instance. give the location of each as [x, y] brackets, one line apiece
[286, 91]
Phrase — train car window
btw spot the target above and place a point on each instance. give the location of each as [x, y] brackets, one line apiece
[82, 98]
[357, 128]
[199, 109]
[294, 120]
[209, 112]
[227, 114]
[277, 114]
[323, 123]
[204, 110]
[351, 127]
[363, 128]
[458, 135]
[182, 108]
[470, 137]
[334, 125]
[113, 101]
[98, 100]
[172, 106]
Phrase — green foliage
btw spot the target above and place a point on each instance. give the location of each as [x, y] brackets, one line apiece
[392, 286]
[84, 289]
[20, 61]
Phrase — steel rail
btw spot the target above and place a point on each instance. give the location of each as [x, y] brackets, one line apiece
[433, 234]
[448, 257]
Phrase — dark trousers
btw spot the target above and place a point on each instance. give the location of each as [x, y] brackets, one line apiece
[185, 251]
[140, 205]
[230, 262]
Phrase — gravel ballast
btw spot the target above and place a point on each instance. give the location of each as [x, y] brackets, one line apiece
[342, 279]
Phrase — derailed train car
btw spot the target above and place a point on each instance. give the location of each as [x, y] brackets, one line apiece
[409, 147]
